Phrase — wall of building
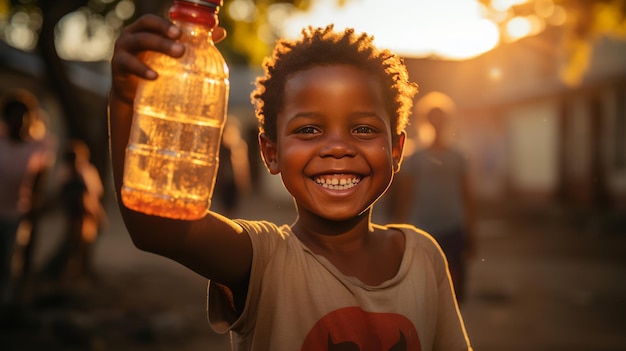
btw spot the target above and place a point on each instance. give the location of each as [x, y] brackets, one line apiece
[526, 133]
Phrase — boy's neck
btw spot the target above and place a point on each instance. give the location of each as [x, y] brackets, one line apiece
[370, 254]
[322, 235]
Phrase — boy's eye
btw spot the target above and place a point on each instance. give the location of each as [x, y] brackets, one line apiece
[363, 130]
[307, 130]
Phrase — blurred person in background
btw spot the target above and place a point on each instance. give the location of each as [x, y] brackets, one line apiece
[81, 193]
[233, 175]
[27, 154]
[432, 192]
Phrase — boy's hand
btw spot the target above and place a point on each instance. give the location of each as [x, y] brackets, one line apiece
[148, 33]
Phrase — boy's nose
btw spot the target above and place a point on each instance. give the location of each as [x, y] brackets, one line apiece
[337, 146]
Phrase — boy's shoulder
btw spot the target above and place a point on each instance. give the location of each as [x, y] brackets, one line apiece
[264, 231]
[421, 247]
[415, 236]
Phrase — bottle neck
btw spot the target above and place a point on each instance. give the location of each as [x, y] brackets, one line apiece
[191, 12]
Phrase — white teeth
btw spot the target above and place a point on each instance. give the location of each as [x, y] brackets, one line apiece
[338, 184]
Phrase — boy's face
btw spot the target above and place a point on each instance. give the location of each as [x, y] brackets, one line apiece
[334, 147]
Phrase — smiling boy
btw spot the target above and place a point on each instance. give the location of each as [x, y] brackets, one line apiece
[332, 110]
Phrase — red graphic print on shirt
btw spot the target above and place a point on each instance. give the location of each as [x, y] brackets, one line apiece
[351, 328]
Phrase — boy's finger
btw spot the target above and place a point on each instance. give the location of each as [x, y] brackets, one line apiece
[151, 42]
[218, 34]
[151, 33]
[127, 64]
[146, 41]
[155, 24]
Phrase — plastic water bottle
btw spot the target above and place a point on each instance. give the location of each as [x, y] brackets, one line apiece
[172, 154]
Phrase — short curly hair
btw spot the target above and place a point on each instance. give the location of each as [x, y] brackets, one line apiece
[322, 47]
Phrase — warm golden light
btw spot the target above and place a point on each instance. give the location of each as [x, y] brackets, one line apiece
[518, 27]
[477, 38]
[241, 10]
[503, 5]
[446, 29]
[495, 73]
[558, 16]
[425, 132]
[544, 8]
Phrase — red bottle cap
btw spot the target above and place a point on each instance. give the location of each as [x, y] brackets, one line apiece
[209, 3]
[196, 11]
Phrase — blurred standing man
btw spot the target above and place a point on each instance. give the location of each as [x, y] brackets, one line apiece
[433, 194]
[26, 156]
[81, 192]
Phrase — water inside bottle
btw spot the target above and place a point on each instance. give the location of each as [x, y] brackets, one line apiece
[172, 177]
[172, 155]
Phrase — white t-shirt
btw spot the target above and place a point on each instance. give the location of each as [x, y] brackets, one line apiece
[298, 300]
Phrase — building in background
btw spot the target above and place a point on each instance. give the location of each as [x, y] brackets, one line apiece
[531, 137]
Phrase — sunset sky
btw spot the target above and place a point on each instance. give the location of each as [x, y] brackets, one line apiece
[453, 29]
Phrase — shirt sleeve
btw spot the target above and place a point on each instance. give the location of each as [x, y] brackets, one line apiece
[221, 315]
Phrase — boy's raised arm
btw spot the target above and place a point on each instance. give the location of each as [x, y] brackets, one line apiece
[213, 246]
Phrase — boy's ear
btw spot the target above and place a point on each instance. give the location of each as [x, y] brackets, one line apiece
[269, 151]
[397, 151]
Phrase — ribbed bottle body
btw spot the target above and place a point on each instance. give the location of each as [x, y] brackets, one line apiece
[172, 154]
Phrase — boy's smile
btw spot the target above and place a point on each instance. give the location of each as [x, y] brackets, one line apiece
[337, 182]
[334, 148]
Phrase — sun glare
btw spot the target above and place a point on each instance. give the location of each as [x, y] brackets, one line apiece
[443, 29]
[447, 29]
[503, 5]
